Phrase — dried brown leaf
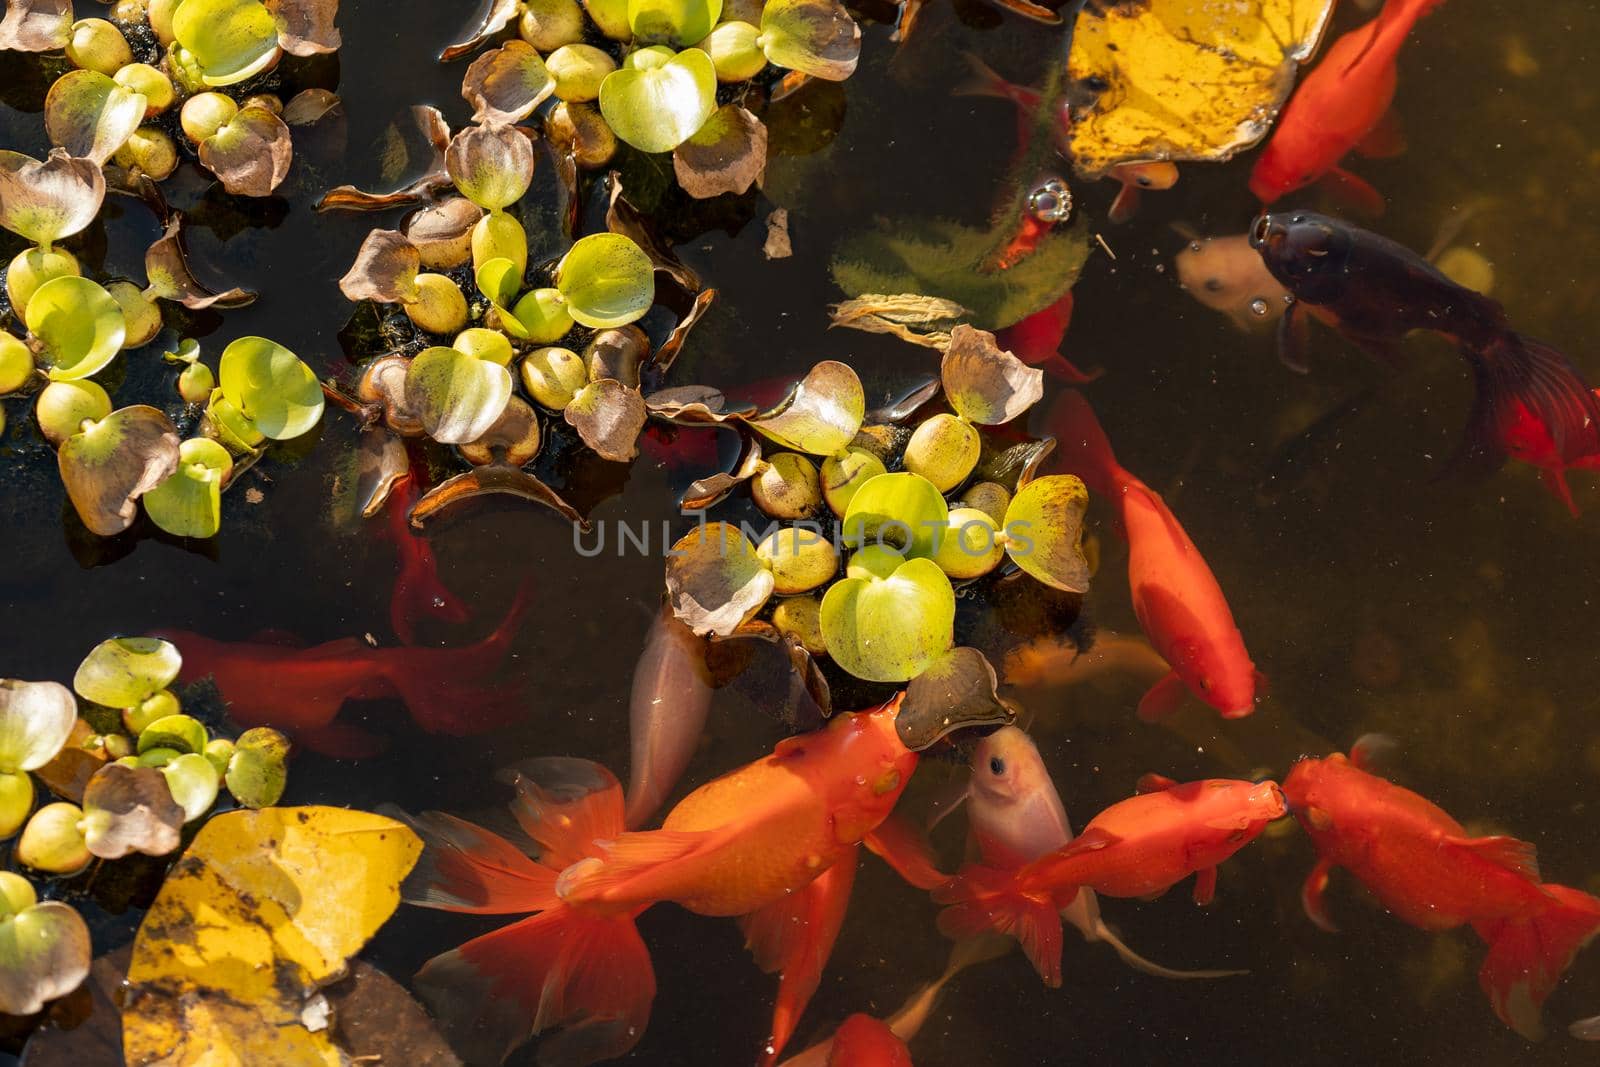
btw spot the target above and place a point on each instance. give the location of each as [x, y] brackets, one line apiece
[46, 201]
[505, 85]
[107, 467]
[608, 416]
[309, 105]
[305, 27]
[726, 155]
[426, 187]
[668, 353]
[497, 14]
[36, 25]
[385, 269]
[166, 265]
[486, 481]
[251, 153]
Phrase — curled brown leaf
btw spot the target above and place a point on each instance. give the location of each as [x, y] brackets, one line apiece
[726, 155]
[130, 809]
[251, 153]
[668, 352]
[348, 198]
[385, 269]
[622, 217]
[486, 481]
[497, 14]
[305, 27]
[46, 201]
[166, 265]
[309, 105]
[109, 465]
[608, 416]
[36, 25]
[443, 232]
[505, 85]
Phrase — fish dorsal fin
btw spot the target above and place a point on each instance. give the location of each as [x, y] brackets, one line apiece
[1091, 840]
[1154, 783]
[1516, 856]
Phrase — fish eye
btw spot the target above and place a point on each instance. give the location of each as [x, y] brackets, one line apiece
[1259, 232]
[1205, 685]
[1144, 181]
[1214, 285]
[997, 766]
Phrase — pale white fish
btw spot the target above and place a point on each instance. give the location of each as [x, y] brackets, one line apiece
[667, 712]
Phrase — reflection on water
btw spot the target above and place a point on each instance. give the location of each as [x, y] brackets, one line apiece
[1457, 617]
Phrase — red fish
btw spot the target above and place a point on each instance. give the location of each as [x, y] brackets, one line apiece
[774, 842]
[1175, 595]
[1339, 107]
[1133, 177]
[1036, 340]
[300, 690]
[863, 1041]
[1526, 437]
[1422, 867]
[1138, 847]
[418, 592]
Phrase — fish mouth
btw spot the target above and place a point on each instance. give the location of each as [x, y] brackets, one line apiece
[1267, 232]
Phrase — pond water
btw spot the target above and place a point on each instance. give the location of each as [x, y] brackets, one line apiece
[1456, 616]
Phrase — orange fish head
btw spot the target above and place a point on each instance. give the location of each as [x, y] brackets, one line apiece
[1228, 686]
[1232, 813]
[1277, 173]
[862, 1041]
[1313, 789]
[1006, 767]
[1158, 175]
[866, 765]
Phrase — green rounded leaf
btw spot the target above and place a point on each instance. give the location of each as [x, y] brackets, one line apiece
[500, 281]
[231, 40]
[898, 510]
[715, 580]
[1044, 531]
[45, 953]
[657, 110]
[122, 671]
[183, 733]
[606, 280]
[271, 386]
[36, 718]
[679, 22]
[890, 629]
[79, 324]
[822, 415]
[456, 396]
[189, 502]
[815, 37]
[90, 115]
[193, 783]
[258, 770]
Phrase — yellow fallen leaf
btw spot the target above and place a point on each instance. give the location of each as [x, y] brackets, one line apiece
[1183, 79]
[263, 909]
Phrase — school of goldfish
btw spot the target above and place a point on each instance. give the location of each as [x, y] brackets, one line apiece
[776, 844]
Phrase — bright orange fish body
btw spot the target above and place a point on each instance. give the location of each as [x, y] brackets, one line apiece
[1420, 863]
[1175, 596]
[863, 1041]
[774, 842]
[1337, 107]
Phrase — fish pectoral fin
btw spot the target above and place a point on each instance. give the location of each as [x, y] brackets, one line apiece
[1354, 192]
[1519, 857]
[1092, 839]
[1163, 699]
[1126, 205]
[794, 936]
[902, 847]
[1293, 331]
[631, 860]
[1205, 885]
[1313, 896]
[1154, 783]
[1385, 140]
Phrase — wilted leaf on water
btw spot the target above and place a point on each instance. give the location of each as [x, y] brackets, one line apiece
[957, 690]
[47, 201]
[726, 155]
[309, 105]
[505, 85]
[497, 14]
[384, 383]
[704, 492]
[435, 178]
[490, 165]
[263, 910]
[948, 260]
[36, 718]
[921, 320]
[120, 672]
[443, 233]
[251, 152]
[625, 219]
[457, 396]
[1013, 466]
[305, 27]
[90, 115]
[984, 384]
[36, 25]
[130, 809]
[668, 352]
[381, 461]
[490, 480]
[513, 440]
[608, 416]
[1044, 525]
[166, 265]
[44, 954]
[815, 37]
[109, 466]
[715, 580]
[385, 269]
[658, 109]
[890, 629]
[1172, 79]
[821, 415]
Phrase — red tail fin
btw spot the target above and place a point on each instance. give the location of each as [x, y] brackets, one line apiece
[467, 868]
[589, 975]
[442, 687]
[1520, 378]
[1527, 956]
[418, 592]
[985, 900]
[1081, 445]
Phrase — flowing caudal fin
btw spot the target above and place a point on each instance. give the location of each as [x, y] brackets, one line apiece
[1519, 377]
[794, 936]
[418, 592]
[1082, 447]
[567, 806]
[467, 868]
[985, 900]
[983, 80]
[588, 975]
[486, 655]
[1527, 956]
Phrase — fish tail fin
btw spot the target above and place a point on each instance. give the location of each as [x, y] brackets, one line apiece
[981, 80]
[487, 654]
[419, 593]
[588, 975]
[1150, 967]
[567, 806]
[1081, 445]
[1555, 480]
[794, 936]
[1516, 377]
[467, 868]
[984, 900]
[1528, 955]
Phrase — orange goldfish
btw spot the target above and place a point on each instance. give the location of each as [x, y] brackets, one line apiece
[1527, 437]
[774, 842]
[300, 690]
[1422, 867]
[418, 592]
[1226, 274]
[1340, 106]
[1138, 847]
[1175, 595]
[1133, 177]
[1036, 340]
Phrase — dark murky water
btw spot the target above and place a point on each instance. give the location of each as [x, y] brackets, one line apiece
[1457, 617]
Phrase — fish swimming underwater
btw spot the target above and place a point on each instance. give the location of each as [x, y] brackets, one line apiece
[1338, 108]
[418, 593]
[774, 842]
[1139, 847]
[667, 710]
[1226, 274]
[1134, 178]
[1373, 291]
[1176, 597]
[1036, 340]
[300, 689]
[1422, 866]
